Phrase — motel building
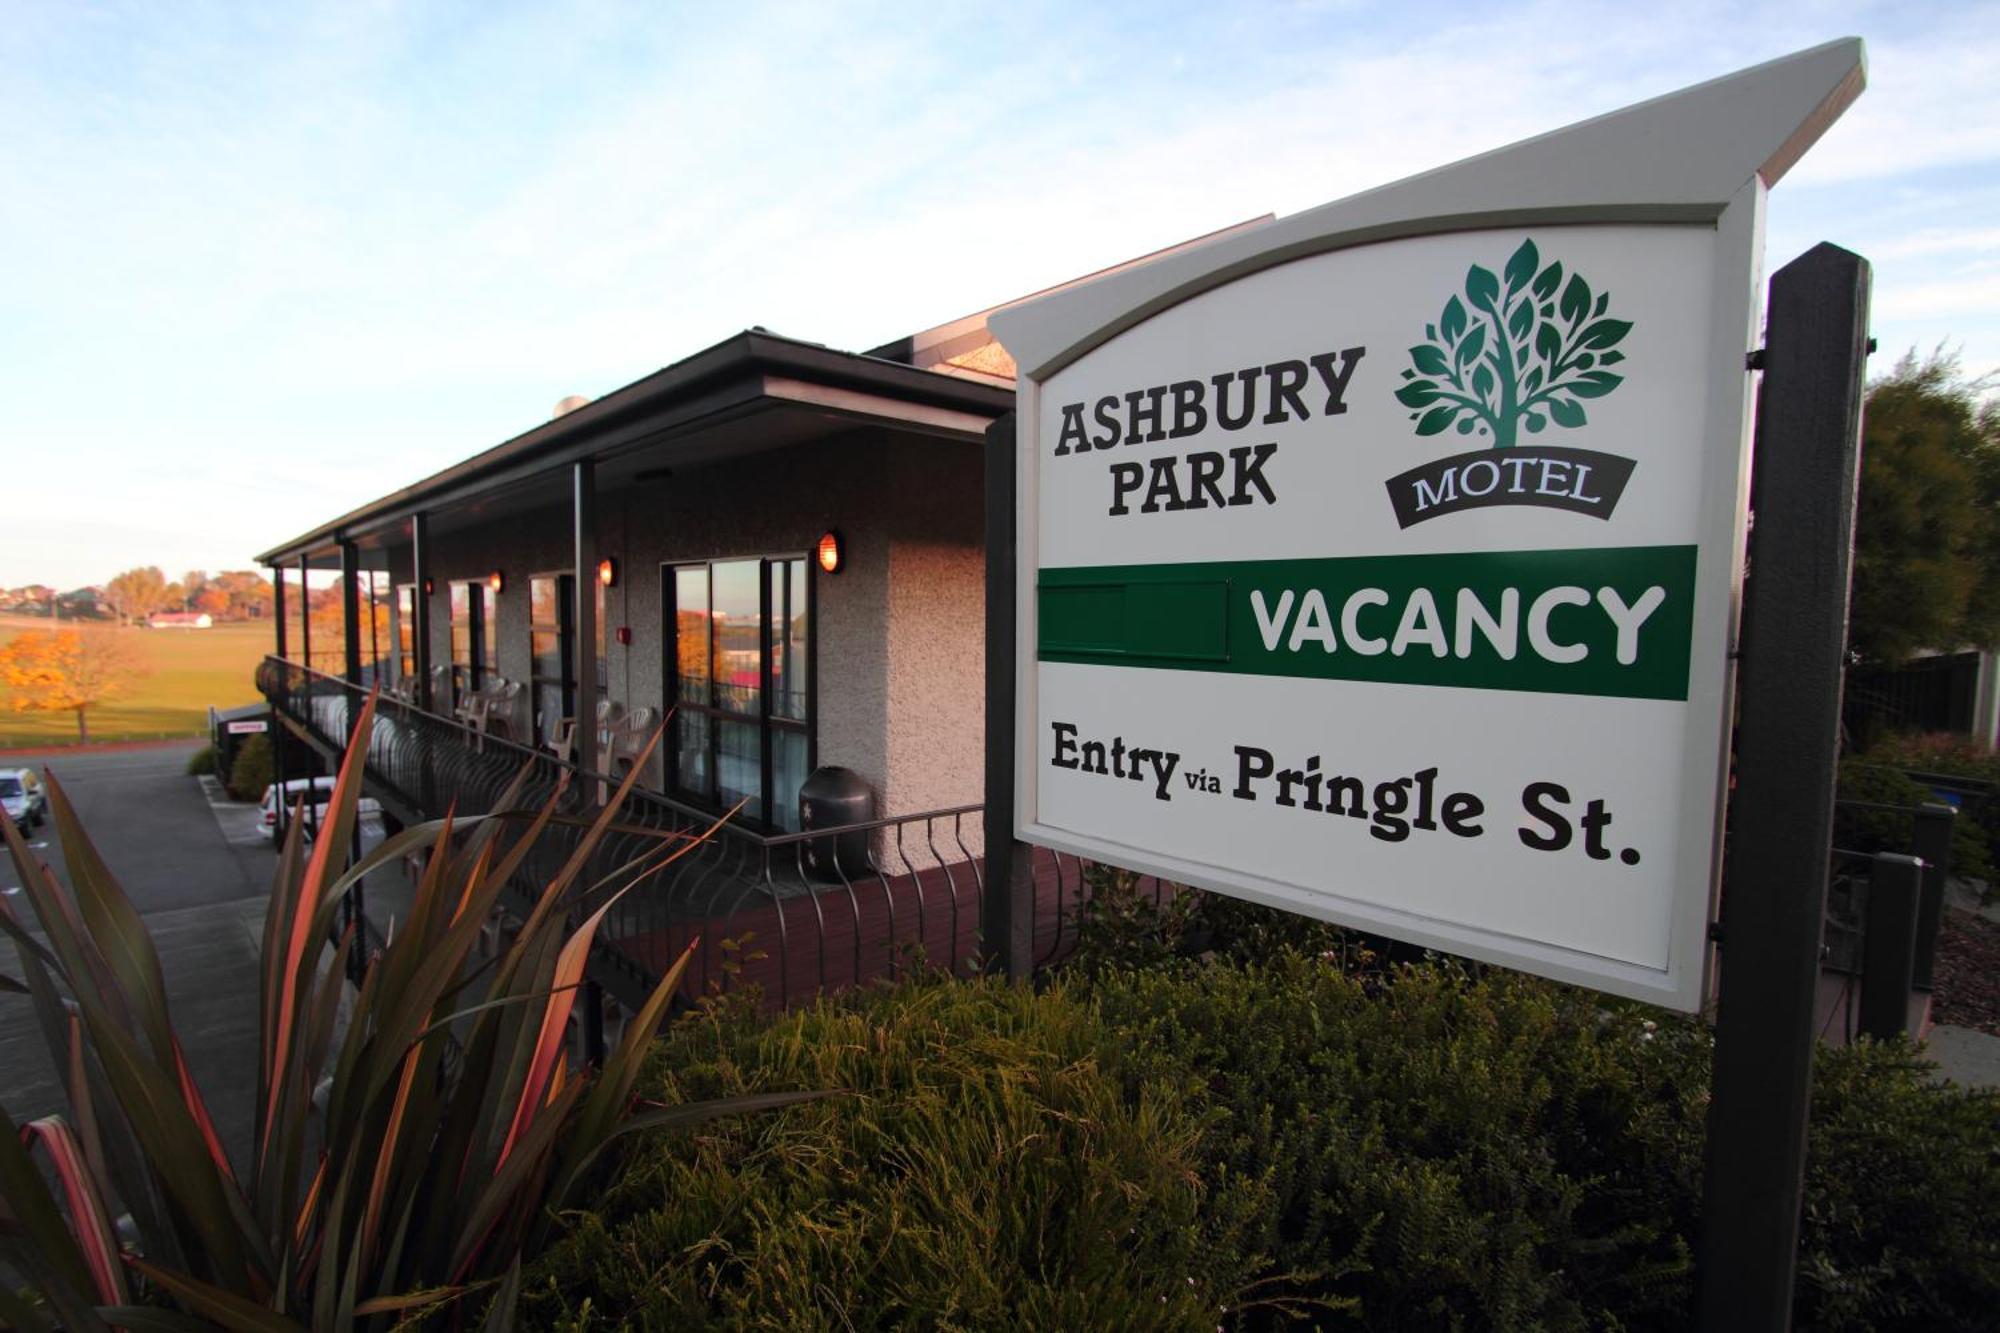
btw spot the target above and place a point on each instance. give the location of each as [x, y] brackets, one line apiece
[781, 547]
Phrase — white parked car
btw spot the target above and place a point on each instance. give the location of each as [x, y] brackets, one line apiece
[322, 796]
[22, 795]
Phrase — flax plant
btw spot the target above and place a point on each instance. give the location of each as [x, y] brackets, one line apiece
[390, 1178]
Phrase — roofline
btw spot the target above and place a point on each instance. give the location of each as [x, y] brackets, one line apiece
[754, 350]
[904, 348]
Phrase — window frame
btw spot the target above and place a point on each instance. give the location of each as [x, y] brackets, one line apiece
[565, 632]
[764, 719]
[406, 631]
[477, 633]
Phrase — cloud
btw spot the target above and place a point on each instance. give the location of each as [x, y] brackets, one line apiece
[309, 254]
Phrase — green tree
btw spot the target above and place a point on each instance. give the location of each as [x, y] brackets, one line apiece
[1927, 532]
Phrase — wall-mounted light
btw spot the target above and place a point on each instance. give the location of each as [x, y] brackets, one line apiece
[607, 571]
[494, 581]
[430, 586]
[829, 552]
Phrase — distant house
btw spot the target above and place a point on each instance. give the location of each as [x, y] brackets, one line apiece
[180, 620]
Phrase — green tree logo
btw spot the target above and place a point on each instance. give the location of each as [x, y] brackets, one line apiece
[1518, 356]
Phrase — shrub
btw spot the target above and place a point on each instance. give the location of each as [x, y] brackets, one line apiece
[1400, 1147]
[253, 771]
[384, 1179]
[1902, 1213]
[985, 1173]
[1866, 780]
[202, 762]
[1445, 1150]
[1976, 844]
[1121, 924]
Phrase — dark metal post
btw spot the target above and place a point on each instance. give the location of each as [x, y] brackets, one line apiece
[1889, 951]
[350, 612]
[1006, 917]
[420, 571]
[350, 627]
[583, 487]
[1936, 822]
[1775, 872]
[278, 604]
[305, 614]
[306, 712]
[583, 479]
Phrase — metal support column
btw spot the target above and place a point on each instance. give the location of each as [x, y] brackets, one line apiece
[421, 575]
[583, 483]
[1793, 651]
[305, 614]
[305, 682]
[583, 487]
[278, 604]
[350, 628]
[1007, 922]
[420, 572]
[350, 613]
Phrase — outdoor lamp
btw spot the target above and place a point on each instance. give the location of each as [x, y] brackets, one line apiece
[607, 571]
[829, 551]
[430, 586]
[494, 581]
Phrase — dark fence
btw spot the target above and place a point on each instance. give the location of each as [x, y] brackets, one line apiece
[1927, 694]
[797, 914]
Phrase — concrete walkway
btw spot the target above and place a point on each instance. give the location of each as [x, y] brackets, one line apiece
[201, 892]
[1967, 1056]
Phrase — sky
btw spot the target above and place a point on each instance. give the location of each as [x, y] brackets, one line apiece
[264, 263]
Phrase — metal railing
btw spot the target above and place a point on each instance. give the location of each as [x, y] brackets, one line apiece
[795, 913]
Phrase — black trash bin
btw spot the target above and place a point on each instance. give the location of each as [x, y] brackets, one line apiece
[834, 797]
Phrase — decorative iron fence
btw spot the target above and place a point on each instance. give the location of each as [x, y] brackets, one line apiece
[794, 913]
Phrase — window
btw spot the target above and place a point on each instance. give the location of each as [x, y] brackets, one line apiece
[471, 639]
[406, 631]
[550, 632]
[740, 684]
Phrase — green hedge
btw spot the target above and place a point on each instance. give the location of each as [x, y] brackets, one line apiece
[254, 769]
[985, 1172]
[1271, 1144]
[1445, 1150]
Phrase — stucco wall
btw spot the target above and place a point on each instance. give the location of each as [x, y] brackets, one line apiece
[937, 627]
[900, 629]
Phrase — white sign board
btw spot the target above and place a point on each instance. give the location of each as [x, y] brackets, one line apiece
[247, 728]
[1383, 566]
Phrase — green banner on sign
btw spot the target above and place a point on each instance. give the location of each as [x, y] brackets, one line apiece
[1604, 621]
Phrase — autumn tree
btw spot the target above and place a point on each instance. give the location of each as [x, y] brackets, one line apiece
[1927, 529]
[136, 593]
[249, 593]
[67, 671]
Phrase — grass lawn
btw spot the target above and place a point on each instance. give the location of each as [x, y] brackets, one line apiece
[187, 671]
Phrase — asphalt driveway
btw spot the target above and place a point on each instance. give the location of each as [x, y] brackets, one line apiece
[199, 876]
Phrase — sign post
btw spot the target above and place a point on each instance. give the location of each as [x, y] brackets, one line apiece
[1787, 745]
[1384, 563]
